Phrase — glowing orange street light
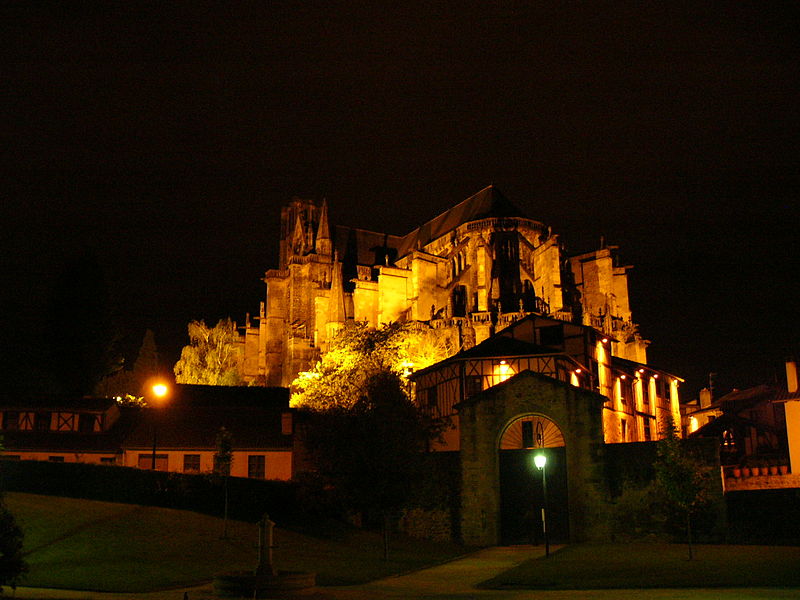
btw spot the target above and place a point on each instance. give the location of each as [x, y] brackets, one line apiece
[160, 391]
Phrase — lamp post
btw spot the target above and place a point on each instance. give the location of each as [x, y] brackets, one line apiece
[540, 460]
[159, 391]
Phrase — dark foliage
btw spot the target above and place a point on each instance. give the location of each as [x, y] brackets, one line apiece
[12, 565]
[199, 493]
[372, 452]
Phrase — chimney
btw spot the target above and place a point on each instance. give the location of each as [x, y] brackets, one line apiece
[791, 376]
[705, 398]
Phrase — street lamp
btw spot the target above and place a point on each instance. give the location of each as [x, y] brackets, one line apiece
[160, 390]
[540, 460]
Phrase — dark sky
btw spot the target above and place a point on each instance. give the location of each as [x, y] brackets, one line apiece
[166, 136]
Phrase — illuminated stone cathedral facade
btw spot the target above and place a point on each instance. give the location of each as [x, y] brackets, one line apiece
[468, 274]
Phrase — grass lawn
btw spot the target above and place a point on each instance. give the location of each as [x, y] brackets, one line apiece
[646, 565]
[85, 544]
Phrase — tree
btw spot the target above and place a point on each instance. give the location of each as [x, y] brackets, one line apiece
[684, 480]
[126, 382]
[370, 450]
[357, 353]
[12, 565]
[213, 356]
[223, 459]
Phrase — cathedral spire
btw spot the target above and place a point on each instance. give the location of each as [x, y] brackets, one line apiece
[323, 244]
[336, 312]
[298, 237]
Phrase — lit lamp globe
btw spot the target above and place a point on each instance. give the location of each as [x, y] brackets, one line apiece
[160, 390]
[540, 460]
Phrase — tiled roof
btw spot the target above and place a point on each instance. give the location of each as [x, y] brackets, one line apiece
[216, 395]
[187, 426]
[54, 403]
[487, 203]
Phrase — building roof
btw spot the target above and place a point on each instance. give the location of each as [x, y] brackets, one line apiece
[726, 421]
[488, 203]
[498, 346]
[56, 403]
[624, 364]
[743, 399]
[502, 346]
[229, 396]
[196, 427]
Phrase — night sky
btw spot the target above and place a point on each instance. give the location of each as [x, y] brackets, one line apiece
[166, 136]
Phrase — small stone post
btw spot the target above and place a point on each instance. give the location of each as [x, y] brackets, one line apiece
[265, 567]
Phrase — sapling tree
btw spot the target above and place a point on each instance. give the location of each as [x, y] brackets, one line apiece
[683, 479]
[223, 459]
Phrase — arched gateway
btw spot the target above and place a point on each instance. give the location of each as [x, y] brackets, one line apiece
[568, 420]
[521, 483]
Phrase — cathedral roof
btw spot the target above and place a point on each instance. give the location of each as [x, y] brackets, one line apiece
[358, 246]
[488, 203]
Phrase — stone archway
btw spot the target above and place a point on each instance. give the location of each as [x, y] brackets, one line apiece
[521, 486]
[485, 419]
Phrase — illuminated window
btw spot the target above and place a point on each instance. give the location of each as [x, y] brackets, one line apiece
[191, 463]
[256, 466]
[728, 439]
[502, 371]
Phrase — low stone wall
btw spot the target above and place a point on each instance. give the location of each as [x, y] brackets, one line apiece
[761, 482]
[427, 524]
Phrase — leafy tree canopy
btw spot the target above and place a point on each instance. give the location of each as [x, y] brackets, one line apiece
[370, 451]
[357, 353]
[130, 383]
[213, 356]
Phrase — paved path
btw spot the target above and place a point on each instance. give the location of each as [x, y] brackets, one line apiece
[454, 580]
